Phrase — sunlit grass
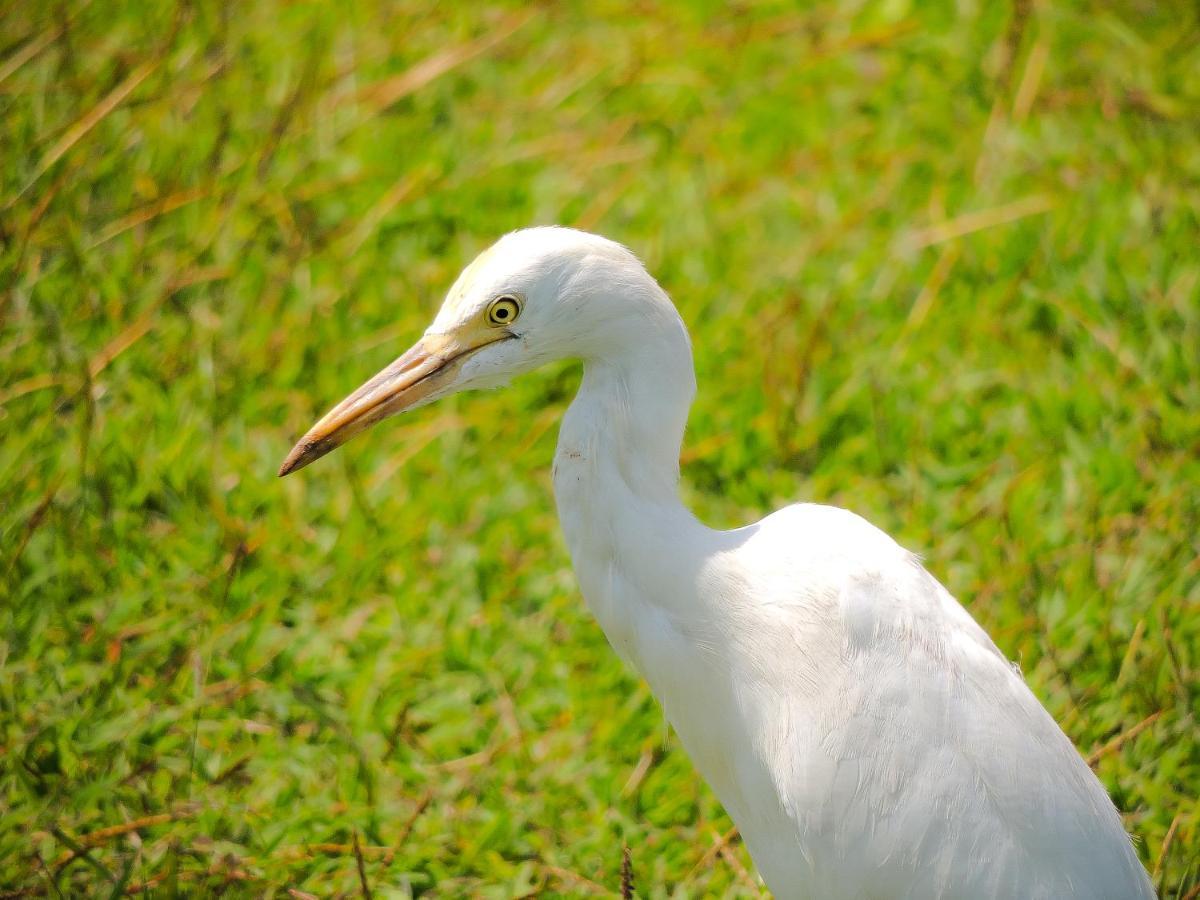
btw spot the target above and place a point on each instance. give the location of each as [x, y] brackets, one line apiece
[940, 265]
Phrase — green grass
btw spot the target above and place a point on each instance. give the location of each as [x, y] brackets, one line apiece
[941, 263]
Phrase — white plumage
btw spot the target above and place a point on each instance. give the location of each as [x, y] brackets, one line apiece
[864, 733]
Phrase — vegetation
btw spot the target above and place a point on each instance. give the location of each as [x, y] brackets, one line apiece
[940, 265]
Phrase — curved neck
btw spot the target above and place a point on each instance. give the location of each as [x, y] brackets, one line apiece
[616, 479]
[626, 424]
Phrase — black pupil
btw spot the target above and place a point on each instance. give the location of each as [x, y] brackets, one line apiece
[501, 312]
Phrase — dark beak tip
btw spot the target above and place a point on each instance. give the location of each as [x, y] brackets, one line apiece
[304, 453]
[297, 459]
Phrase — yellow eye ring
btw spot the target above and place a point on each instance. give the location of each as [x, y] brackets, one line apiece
[503, 310]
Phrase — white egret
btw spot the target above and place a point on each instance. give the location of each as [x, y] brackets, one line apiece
[863, 732]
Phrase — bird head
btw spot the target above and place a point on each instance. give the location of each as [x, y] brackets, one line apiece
[536, 295]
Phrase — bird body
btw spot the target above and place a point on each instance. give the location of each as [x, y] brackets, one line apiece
[863, 732]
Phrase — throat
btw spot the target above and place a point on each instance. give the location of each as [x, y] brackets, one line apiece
[616, 483]
[620, 439]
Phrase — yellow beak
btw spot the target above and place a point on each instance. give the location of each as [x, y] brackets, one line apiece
[427, 366]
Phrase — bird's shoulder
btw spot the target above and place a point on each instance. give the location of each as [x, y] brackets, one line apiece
[831, 563]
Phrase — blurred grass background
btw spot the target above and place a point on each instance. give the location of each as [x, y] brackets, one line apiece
[940, 262]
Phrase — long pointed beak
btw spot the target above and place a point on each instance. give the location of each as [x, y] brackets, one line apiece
[430, 364]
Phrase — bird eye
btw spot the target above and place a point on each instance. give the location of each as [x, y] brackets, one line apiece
[503, 310]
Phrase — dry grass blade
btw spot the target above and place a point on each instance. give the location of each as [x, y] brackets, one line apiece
[31, 49]
[605, 200]
[1165, 853]
[85, 124]
[36, 45]
[382, 94]
[158, 208]
[401, 190]
[1131, 652]
[228, 875]
[577, 881]
[1122, 739]
[198, 275]
[1108, 337]
[409, 823]
[739, 870]
[634, 781]
[472, 760]
[355, 849]
[362, 867]
[34, 522]
[138, 329]
[30, 385]
[1030, 81]
[968, 223]
[103, 835]
[929, 291]
[712, 852]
